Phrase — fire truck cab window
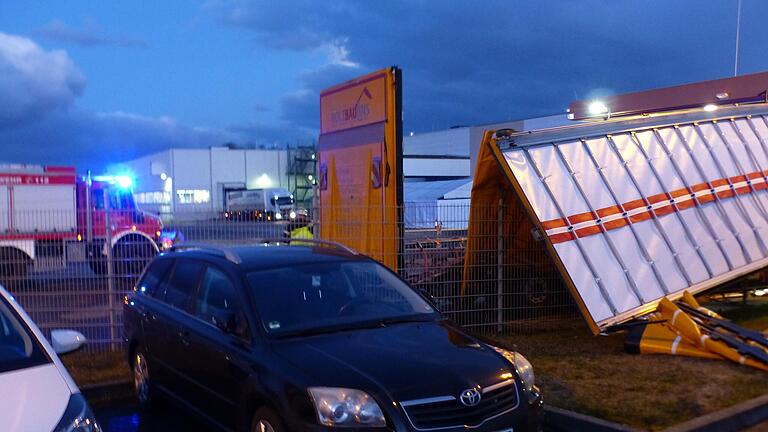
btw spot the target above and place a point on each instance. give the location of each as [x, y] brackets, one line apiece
[98, 199]
[118, 200]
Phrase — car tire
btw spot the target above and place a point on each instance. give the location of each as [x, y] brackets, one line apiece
[142, 383]
[266, 420]
[13, 264]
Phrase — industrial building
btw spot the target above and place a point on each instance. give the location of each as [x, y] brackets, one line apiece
[185, 183]
[437, 170]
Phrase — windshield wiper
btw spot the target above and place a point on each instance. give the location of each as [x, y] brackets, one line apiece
[329, 329]
[405, 319]
[371, 324]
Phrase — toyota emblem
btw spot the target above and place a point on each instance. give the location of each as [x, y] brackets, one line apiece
[470, 397]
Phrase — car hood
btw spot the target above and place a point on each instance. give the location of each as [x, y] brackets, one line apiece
[40, 396]
[405, 361]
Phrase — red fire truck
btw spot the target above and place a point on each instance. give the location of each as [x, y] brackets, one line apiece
[50, 217]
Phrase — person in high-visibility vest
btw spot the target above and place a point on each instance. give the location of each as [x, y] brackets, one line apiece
[301, 228]
[304, 232]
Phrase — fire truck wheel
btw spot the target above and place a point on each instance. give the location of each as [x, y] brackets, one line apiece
[13, 263]
[131, 254]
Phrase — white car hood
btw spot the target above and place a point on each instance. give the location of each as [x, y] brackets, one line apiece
[37, 398]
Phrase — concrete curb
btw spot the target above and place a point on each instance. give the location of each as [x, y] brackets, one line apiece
[730, 419]
[557, 419]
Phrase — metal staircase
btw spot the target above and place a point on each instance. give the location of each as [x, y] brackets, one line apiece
[302, 176]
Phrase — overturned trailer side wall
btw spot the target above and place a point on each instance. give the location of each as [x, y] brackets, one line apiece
[634, 211]
[503, 234]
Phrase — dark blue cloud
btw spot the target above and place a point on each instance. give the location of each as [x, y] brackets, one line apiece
[463, 62]
[476, 62]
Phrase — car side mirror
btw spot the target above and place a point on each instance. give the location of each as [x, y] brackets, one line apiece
[66, 341]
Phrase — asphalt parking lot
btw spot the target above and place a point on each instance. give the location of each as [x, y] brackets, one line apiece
[165, 418]
[124, 417]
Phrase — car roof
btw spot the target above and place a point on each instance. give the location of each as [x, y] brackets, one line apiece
[268, 254]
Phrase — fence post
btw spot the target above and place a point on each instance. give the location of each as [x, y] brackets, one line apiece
[110, 272]
[500, 263]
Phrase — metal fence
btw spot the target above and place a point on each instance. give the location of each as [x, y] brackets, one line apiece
[68, 279]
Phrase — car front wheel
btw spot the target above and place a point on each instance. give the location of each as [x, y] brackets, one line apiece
[266, 420]
[142, 384]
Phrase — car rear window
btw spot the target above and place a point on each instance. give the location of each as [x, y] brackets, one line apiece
[153, 277]
[186, 275]
[18, 346]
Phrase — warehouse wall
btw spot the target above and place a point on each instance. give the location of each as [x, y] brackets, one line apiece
[196, 178]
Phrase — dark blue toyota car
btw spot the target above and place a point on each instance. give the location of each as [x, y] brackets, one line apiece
[314, 337]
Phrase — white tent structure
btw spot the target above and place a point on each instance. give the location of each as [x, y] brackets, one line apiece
[443, 202]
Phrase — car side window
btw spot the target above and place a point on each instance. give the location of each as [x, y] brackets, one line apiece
[153, 278]
[217, 302]
[182, 284]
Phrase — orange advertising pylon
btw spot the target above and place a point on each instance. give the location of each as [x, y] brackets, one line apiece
[689, 329]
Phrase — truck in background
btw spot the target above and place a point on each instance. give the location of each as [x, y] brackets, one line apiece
[267, 204]
[49, 217]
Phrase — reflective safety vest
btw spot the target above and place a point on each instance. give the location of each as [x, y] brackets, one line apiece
[302, 233]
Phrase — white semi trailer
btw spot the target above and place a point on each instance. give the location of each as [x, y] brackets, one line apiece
[268, 204]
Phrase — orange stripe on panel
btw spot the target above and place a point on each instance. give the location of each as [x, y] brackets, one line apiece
[677, 193]
[757, 176]
[664, 210]
[644, 216]
[653, 199]
[554, 223]
[631, 205]
[607, 211]
[618, 223]
[682, 205]
[678, 199]
[561, 237]
[588, 231]
[581, 217]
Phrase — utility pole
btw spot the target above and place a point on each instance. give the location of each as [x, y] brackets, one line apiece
[738, 30]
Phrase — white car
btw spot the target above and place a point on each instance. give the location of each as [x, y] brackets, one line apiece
[36, 392]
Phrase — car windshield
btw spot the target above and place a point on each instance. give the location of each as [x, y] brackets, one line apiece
[328, 296]
[18, 346]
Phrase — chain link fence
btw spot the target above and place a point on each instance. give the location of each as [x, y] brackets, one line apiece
[69, 279]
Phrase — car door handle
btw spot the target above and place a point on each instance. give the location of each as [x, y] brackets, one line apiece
[184, 337]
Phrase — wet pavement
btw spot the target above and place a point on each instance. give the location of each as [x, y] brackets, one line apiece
[166, 418]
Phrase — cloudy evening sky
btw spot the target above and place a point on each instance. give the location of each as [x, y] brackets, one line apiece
[89, 83]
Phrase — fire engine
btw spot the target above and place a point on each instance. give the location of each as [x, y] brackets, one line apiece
[50, 217]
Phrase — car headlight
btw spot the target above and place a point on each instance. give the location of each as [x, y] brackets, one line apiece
[278, 216]
[343, 407]
[77, 417]
[523, 367]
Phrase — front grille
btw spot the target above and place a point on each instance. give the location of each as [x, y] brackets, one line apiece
[448, 412]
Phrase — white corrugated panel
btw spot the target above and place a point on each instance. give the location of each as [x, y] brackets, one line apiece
[4, 216]
[637, 214]
[49, 208]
